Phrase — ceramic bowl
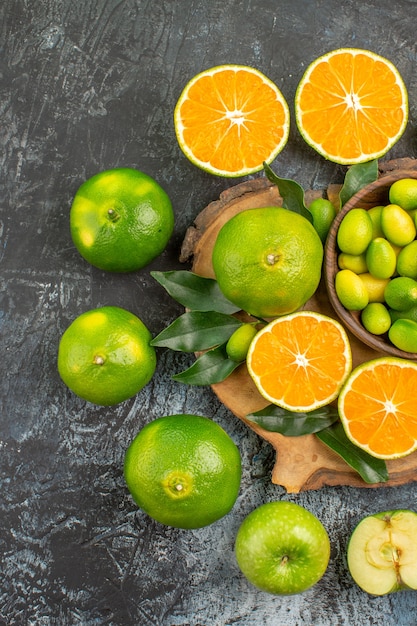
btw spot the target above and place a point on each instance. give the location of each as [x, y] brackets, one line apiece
[374, 194]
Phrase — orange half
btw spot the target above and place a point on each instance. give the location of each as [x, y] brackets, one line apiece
[377, 407]
[230, 119]
[300, 361]
[351, 105]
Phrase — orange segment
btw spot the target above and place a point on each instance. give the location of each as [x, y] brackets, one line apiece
[351, 105]
[377, 407]
[300, 361]
[230, 119]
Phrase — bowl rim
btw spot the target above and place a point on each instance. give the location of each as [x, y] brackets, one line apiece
[380, 343]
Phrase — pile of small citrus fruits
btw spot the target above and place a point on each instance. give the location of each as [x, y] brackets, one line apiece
[378, 265]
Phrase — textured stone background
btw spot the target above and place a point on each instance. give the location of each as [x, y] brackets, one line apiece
[88, 85]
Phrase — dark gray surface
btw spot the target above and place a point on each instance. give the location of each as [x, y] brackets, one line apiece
[88, 85]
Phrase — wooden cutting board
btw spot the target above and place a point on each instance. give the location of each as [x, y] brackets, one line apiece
[302, 463]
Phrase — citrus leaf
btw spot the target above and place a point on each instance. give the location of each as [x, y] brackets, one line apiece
[197, 330]
[371, 469]
[357, 177]
[291, 424]
[291, 193]
[211, 367]
[194, 292]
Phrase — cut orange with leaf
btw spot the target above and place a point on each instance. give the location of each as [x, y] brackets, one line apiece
[351, 105]
[377, 407]
[300, 361]
[230, 119]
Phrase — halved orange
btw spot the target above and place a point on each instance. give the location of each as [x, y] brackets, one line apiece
[377, 407]
[351, 105]
[230, 119]
[300, 361]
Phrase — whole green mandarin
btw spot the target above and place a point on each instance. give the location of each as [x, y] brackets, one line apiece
[183, 470]
[105, 355]
[381, 258]
[408, 314]
[376, 318]
[354, 262]
[323, 212]
[404, 193]
[375, 215]
[238, 345]
[403, 334]
[121, 219]
[355, 232]
[401, 293]
[351, 291]
[397, 225]
[407, 260]
[268, 261]
[374, 286]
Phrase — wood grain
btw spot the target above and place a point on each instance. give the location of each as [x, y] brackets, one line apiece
[302, 463]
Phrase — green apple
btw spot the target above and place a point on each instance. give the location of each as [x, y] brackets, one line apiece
[282, 548]
[382, 552]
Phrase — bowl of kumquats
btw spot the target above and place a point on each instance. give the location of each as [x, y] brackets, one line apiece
[370, 265]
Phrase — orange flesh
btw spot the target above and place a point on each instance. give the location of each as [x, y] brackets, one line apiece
[301, 362]
[232, 119]
[352, 105]
[381, 411]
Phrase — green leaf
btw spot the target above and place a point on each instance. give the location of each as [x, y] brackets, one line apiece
[194, 292]
[291, 193]
[371, 469]
[197, 330]
[357, 177]
[292, 424]
[211, 367]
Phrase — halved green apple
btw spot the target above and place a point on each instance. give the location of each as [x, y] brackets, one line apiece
[382, 552]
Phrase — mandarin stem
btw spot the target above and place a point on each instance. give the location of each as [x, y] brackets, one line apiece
[271, 259]
[113, 215]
